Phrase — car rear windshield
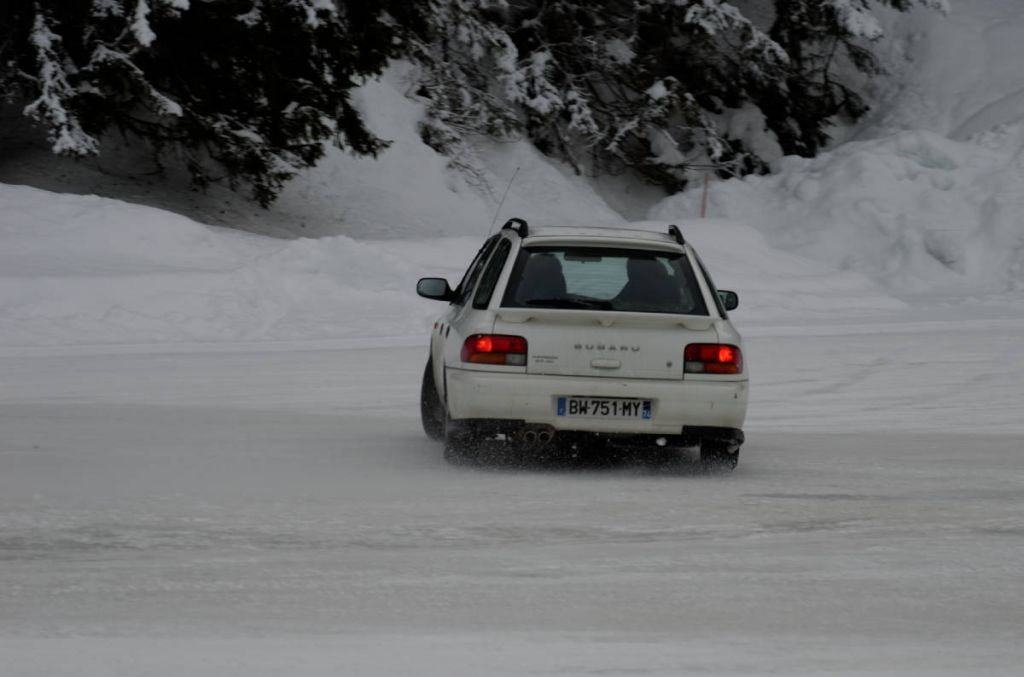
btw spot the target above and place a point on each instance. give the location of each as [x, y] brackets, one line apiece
[590, 278]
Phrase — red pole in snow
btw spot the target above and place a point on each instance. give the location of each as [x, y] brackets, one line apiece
[704, 198]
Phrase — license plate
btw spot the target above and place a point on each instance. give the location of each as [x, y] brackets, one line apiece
[603, 407]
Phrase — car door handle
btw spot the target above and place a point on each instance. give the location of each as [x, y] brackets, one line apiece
[605, 364]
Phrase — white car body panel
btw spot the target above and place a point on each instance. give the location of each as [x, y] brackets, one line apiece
[518, 396]
[613, 345]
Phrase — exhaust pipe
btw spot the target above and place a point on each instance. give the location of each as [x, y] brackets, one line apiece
[537, 436]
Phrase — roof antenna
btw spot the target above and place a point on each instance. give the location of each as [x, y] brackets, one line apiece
[498, 210]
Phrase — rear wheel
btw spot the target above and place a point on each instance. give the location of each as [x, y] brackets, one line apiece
[719, 456]
[431, 409]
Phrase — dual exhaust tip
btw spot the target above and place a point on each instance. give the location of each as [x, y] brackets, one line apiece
[538, 436]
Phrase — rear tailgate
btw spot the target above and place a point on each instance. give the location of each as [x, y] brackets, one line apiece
[604, 343]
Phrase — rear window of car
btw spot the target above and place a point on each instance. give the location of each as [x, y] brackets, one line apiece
[592, 278]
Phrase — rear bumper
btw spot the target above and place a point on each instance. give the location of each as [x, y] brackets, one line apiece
[532, 398]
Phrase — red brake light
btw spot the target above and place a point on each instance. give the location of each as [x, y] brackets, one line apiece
[712, 358]
[495, 349]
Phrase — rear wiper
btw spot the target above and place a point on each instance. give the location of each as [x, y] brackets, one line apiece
[583, 304]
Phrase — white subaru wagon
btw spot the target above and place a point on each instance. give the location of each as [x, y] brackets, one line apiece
[585, 337]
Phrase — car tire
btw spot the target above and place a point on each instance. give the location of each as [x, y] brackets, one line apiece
[432, 412]
[719, 457]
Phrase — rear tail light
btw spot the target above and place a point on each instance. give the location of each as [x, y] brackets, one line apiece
[712, 358]
[495, 349]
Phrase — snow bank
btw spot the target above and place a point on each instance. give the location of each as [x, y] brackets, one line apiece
[916, 211]
[774, 285]
[89, 270]
[83, 269]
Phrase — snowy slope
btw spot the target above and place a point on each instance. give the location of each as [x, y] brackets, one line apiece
[927, 198]
[77, 269]
[84, 270]
[920, 213]
[958, 74]
[408, 191]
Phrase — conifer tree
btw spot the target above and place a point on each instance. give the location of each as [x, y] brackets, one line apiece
[819, 37]
[468, 64]
[609, 85]
[250, 89]
[605, 84]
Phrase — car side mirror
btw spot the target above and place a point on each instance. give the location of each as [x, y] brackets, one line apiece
[730, 299]
[435, 288]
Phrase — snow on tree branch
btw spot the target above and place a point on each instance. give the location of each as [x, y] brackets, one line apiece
[104, 57]
[107, 8]
[855, 19]
[64, 128]
[140, 24]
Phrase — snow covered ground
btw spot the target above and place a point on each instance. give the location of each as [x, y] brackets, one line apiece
[211, 462]
[212, 465]
[255, 512]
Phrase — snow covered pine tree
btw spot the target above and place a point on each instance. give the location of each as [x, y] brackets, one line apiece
[821, 37]
[250, 89]
[605, 85]
[468, 60]
[645, 85]
[253, 88]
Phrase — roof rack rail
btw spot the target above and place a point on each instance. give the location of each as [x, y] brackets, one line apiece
[518, 225]
[673, 230]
